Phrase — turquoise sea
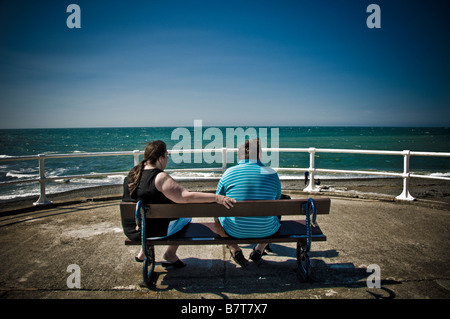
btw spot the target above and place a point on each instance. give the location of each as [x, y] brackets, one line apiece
[17, 142]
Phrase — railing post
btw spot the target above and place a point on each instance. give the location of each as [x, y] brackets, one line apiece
[405, 195]
[42, 197]
[136, 157]
[312, 184]
[224, 159]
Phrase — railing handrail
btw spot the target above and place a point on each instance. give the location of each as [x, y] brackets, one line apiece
[203, 150]
[406, 175]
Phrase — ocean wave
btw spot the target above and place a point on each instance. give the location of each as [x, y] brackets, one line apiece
[107, 180]
[440, 174]
[93, 181]
[58, 186]
[17, 194]
[24, 176]
[19, 173]
[8, 197]
[194, 174]
[60, 171]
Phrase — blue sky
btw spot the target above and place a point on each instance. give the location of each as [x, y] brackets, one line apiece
[232, 63]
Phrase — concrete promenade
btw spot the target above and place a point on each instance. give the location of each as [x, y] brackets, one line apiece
[408, 241]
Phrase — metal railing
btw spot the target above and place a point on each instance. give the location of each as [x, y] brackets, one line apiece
[311, 187]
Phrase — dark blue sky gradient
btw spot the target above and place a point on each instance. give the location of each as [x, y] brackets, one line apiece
[235, 63]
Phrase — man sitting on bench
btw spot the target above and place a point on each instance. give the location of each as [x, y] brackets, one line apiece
[249, 180]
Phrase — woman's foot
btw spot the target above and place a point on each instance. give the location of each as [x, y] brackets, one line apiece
[140, 257]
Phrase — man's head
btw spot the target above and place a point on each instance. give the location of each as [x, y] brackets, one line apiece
[251, 150]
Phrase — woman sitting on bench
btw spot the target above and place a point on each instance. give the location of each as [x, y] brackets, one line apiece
[148, 182]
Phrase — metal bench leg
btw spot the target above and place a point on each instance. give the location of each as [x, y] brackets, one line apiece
[303, 247]
[303, 263]
[148, 269]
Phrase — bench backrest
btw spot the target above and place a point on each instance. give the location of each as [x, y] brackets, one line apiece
[241, 208]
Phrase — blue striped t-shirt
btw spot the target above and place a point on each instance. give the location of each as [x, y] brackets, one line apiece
[250, 180]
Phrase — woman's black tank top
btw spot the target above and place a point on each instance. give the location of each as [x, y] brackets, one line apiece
[149, 194]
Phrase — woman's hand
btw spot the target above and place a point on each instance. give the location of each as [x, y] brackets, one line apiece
[225, 201]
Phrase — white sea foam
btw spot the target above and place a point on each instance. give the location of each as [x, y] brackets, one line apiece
[61, 171]
[16, 174]
[441, 174]
[20, 194]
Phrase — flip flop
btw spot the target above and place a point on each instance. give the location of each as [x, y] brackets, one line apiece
[177, 264]
[138, 260]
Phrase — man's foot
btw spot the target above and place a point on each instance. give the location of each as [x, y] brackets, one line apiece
[177, 264]
[256, 256]
[172, 260]
[239, 258]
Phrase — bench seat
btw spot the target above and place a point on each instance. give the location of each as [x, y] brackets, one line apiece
[207, 233]
[197, 233]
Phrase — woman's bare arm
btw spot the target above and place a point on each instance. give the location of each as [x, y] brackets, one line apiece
[178, 194]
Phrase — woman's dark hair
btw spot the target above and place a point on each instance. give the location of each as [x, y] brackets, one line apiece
[153, 152]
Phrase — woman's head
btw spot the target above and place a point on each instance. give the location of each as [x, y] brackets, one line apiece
[154, 151]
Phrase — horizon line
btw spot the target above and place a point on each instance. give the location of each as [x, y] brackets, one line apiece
[225, 126]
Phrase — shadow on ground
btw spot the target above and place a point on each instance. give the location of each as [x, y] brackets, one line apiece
[277, 274]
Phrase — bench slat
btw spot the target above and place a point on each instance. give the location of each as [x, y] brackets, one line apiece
[241, 208]
[206, 233]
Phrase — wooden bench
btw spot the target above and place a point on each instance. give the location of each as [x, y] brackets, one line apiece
[206, 233]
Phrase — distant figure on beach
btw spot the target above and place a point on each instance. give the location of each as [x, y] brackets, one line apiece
[148, 182]
[249, 180]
